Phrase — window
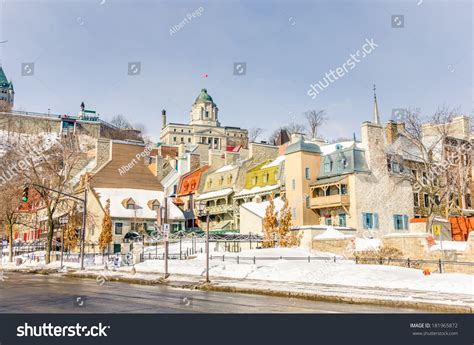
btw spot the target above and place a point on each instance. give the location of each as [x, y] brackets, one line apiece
[342, 219]
[327, 167]
[426, 200]
[395, 167]
[370, 220]
[265, 178]
[293, 184]
[182, 139]
[306, 173]
[341, 164]
[174, 138]
[469, 200]
[189, 140]
[130, 206]
[207, 113]
[221, 180]
[118, 228]
[343, 189]
[155, 206]
[416, 199]
[307, 201]
[254, 180]
[229, 179]
[400, 222]
[437, 200]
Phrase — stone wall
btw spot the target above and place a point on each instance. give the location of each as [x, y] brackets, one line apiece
[415, 246]
[339, 246]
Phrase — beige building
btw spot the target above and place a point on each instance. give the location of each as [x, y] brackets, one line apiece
[203, 128]
[121, 174]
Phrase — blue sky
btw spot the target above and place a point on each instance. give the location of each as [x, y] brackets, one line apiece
[81, 52]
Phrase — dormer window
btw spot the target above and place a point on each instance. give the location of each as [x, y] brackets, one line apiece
[154, 205]
[327, 167]
[129, 204]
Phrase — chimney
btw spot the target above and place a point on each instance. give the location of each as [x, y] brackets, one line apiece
[163, 118]
[295, 137]
[391, 132]
[401, 127]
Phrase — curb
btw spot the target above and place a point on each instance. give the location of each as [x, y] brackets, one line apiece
[422, 306]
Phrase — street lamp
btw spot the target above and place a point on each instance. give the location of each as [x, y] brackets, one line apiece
[63, 221]
[201, 207]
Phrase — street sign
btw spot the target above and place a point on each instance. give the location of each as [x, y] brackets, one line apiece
[166, 231]
[436, 229]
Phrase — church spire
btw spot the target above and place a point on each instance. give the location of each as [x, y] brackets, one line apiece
[376, 118]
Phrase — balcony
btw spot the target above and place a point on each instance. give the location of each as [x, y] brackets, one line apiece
[330, 201]
[217, 209]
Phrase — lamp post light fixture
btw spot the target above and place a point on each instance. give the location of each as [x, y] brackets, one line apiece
[63, 221]
[201, 207]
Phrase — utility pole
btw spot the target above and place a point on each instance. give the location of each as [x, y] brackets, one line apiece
[166, 235]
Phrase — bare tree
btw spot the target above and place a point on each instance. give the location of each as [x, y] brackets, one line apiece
[315, 119]
[56, 168]
[295, 128]
[121, 122]
[10, 194]
[254, 133]
[432, 158]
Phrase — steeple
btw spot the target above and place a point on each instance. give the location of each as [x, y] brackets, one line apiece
[376, 118]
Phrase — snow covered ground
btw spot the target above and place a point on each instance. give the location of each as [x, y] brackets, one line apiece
[341, 272]
[317, 271]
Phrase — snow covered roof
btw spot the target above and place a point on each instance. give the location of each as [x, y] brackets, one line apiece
[141, 198]
[256, 190]
[275, 162]
[225, 168]
[215, 194]
[259, 208]
[330, 148]
[331, 233]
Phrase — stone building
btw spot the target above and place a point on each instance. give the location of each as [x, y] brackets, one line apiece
[203, 128]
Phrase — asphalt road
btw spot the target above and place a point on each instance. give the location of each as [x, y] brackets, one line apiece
[32, 293]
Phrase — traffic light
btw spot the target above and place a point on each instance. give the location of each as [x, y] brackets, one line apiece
[24, 198]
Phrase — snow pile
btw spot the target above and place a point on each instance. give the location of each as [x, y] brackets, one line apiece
[331, 233]
[450, 245]
[341, 272]
[365, 244]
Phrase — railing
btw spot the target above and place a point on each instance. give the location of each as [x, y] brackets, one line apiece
[220, 209]
[381, 261]
[330, 200]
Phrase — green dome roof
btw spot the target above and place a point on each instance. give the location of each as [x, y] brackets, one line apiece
[203, 97]
[302, 145]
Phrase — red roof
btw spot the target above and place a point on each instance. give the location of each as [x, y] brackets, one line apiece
[189, 183]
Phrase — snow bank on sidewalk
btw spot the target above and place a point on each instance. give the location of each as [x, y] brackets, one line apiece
[343, 272]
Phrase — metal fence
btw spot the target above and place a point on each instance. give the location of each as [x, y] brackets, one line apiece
[409, 263]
